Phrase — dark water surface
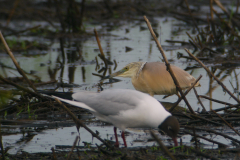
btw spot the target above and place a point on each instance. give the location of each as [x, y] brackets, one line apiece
[114, 40]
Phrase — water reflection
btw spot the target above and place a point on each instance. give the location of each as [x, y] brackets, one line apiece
[74, 61]
[222, 74]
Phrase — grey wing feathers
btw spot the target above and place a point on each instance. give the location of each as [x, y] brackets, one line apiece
[109, 102]
[75, 103]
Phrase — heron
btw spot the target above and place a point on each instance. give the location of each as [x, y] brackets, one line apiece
[125, 108]
[153, 78]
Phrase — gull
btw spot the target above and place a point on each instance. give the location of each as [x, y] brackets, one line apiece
[125, 108]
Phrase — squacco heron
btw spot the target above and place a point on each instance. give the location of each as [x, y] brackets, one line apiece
[153, 78]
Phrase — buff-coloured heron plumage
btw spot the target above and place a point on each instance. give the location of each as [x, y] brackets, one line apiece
[153, 78]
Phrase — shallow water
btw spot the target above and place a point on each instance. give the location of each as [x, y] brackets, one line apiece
[114, 44]
[64, 137]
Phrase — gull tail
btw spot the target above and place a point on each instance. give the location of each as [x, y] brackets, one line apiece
[75, 103]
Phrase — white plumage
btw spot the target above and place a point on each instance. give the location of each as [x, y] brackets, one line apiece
[123, 108]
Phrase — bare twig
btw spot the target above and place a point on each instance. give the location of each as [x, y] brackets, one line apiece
[214, 100]
[210, 73]
[22, 31]
[207, 120]
[15, 62]
[199, 99]
[168, 65]
[164, 148]
[82, 12]
[54, 155]
[102, 56]
[195, 23]
[97, 65]
[59, 14]
[193, 41]
[61, 40]
[74, 144]
[45, 83]
[115, 64]
[221, 6]
[213, 131]
[199, 41]
[229, 107]
[211, 7]
[80, 123]
[188, 90]
[5, 66]
[203, 154]
[99, 75]
[12, 11]
[229, 125]
[234, 21]
[195, 137]
[20, 87]
[221, 19]
[1, 144]
[207, 139]
[237, 7]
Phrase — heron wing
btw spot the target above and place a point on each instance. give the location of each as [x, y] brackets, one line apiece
[110, 102]
[160, 81]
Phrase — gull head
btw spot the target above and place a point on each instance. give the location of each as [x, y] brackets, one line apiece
[171, 127]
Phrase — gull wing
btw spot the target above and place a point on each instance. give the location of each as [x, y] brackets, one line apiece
[110, 102]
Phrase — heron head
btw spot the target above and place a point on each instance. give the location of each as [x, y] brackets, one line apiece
[171, 127]
[129, 70]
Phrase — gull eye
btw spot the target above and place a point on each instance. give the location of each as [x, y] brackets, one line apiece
[126, 68]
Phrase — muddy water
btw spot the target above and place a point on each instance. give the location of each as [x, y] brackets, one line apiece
[114, 43]
[63, 138]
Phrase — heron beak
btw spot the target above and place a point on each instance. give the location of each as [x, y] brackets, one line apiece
[175, 141]
[112, 75]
